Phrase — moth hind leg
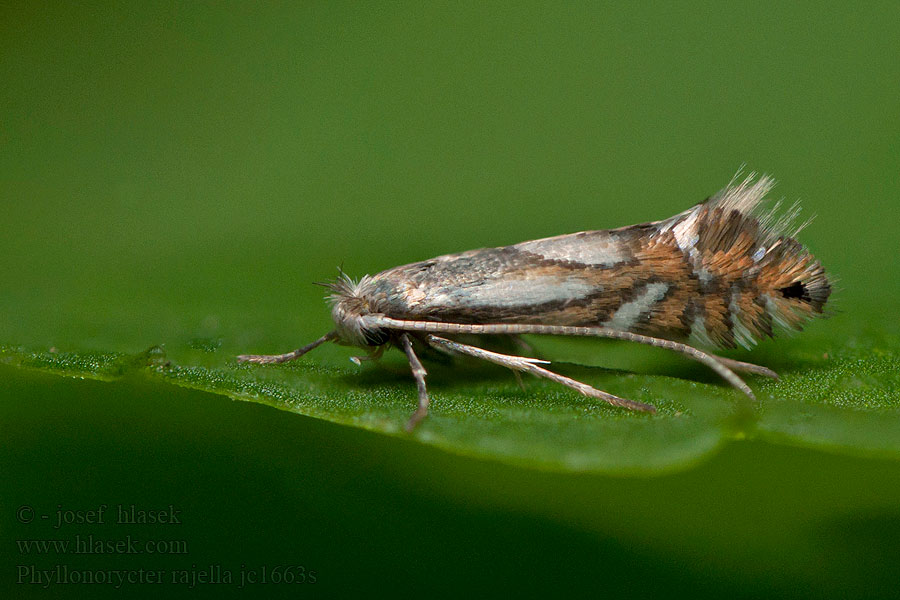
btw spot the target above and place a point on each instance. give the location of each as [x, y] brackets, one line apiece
[745, 367]
[530, 365]
[519, 380]
[525, 346]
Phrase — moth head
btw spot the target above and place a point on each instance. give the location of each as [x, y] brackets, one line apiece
[350, 303]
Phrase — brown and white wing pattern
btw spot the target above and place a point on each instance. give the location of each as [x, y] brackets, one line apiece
[716, 272]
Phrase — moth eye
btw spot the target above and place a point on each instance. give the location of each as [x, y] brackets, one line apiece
[795, 291]
[376, 337]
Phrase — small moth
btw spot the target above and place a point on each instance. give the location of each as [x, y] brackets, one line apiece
[720, 274]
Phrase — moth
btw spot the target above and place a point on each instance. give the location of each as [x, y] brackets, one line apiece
[719, 275]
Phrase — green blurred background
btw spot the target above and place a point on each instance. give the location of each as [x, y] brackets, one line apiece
[174, 171]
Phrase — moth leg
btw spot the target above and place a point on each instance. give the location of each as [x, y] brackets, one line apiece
[516, 372]
[518, 377]
[419, 373]
[376, 355]
[746, 367]
[525, 346]
[713, 362]
[528, 365]
[266, 359]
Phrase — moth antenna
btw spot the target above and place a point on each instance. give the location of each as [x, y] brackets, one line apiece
[266, 359]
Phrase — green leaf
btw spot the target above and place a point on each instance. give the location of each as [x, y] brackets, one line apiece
[162, 221]
[476, 411]
[851, 403]
[846, 401]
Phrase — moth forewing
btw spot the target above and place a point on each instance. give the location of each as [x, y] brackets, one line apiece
[717, 274]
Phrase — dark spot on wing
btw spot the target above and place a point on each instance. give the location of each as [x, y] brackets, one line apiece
[796, 291]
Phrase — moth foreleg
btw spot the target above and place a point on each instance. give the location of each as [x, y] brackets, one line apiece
[265, 359]
[375, 355]
[529, 365]
[419, 373]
